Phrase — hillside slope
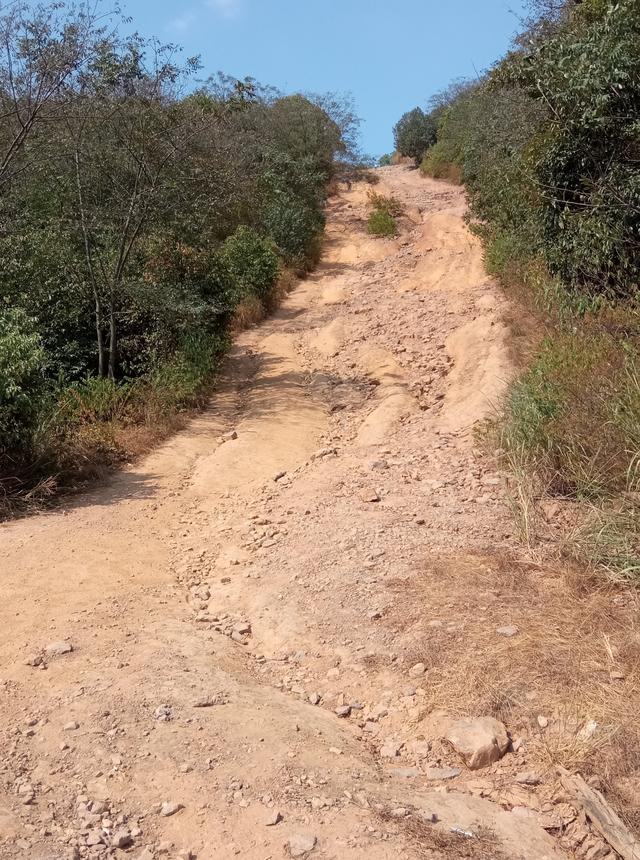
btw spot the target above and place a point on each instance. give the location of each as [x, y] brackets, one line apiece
[276, 616]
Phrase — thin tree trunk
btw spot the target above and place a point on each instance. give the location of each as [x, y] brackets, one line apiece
[113, 345]
[99, 335]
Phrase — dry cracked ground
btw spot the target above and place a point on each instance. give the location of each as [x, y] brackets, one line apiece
[260, 640]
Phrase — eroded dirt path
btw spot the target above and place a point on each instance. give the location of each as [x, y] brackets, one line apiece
[325, 540]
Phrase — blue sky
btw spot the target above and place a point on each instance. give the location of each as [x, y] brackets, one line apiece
[391, 56]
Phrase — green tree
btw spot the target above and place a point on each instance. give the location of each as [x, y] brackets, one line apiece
[21, 379]
[414, 133]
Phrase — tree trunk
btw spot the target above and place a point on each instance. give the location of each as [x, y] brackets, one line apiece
[113, 346]
[100, 336]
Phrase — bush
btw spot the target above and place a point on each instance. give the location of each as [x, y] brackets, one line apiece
[385, 160]
[181, 383]
[295, 228]
[94, 399]
[382, 223]
[436, 164]
[251, 262]
[22, 382]
[387, 204]
[574, 417]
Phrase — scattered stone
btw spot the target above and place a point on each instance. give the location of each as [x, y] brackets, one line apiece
[71, 726]
[480, 741]
[324, 452]
[279, 475]
[57, 649]
[169, 807]
[273, 818]
[35, 660]
[417, 671]
[210, 701]
[121, 839]
[314, 699]
[406, 772]
[369, 496]
[27, 794]
[543, 722]
[390, 749]
[95, 837]
[378, 465]
[435, 773]
[229, 437]
[343, 711]
[528, 778]
[508, 631]
[301, 844]
[163, 713]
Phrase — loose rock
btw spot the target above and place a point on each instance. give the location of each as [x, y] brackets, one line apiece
[479, 742]
[436, 773]
[508, 631]
[57, 649]
[273, 818]
[301, 844]
[169, 807]
[121, 839]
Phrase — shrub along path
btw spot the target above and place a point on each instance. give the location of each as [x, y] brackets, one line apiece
[278, 617]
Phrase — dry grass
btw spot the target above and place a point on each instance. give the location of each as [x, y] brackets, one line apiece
[575, 660]
[434, 843]
[389, 204]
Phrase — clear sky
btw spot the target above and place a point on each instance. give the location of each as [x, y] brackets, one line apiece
[391, 55]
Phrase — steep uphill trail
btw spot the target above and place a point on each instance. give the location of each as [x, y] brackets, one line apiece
[276, 616]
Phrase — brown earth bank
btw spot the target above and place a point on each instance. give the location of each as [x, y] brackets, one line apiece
[304, 626]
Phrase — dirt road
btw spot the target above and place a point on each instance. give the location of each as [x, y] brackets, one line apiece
[276, 616]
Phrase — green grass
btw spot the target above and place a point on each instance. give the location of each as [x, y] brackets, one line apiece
[575, 415]
[382, 223]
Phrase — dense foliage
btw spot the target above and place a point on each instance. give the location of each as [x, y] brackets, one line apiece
[414, 133]
[548, 146]
[137, 212]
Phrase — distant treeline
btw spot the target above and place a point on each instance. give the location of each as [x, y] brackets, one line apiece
[547, 144]
[139, 210]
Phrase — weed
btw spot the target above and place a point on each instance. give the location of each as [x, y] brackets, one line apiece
[386, 204]
[382, 221]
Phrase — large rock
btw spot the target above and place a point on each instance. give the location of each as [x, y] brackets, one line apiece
[479, 741]
[301, 844]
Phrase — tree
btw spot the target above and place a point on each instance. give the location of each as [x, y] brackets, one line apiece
[44, 52]
[414, 133]
[127, 151]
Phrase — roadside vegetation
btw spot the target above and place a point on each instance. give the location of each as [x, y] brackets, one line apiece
[546, 144]
[143, 215]
[383, 219]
